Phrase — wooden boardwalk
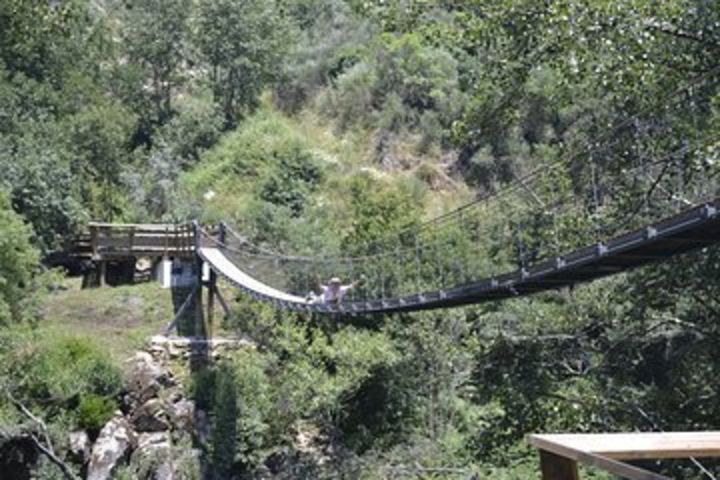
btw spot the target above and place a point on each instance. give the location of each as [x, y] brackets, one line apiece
[560, 453]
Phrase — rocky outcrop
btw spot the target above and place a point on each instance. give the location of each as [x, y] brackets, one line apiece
[112, 446]
[146, 378]
[151, 437]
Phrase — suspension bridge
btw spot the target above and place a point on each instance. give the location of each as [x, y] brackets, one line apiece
[447, 262]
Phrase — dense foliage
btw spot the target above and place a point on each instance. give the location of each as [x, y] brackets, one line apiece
[323, 126]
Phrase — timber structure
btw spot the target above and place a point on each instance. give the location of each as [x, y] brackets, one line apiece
[561, 453]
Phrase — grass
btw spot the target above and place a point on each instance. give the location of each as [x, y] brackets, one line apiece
[120, 319]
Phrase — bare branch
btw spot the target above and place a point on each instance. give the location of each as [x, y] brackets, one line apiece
[47, 447]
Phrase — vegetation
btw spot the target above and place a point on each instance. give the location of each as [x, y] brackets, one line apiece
[322, 127]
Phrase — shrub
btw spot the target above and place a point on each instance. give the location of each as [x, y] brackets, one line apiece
[94, 411]
[195, 127]
[264, 159]
[62, 370]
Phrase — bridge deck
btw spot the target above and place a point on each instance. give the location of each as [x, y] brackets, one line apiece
[690, 230]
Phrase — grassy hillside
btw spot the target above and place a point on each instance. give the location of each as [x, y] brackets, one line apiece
[120, 319]
[291, 181]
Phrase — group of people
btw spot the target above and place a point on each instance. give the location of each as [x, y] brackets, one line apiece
[332, 292]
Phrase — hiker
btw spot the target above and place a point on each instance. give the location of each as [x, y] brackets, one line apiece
[333, 292]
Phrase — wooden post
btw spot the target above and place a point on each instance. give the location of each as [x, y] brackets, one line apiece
[101, 272]
[555, 467]
[94, 242]
[131, 240]
[199, 317]
[211, 303]
[199, 314]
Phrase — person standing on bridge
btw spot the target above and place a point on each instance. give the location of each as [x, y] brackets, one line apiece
[334, 291]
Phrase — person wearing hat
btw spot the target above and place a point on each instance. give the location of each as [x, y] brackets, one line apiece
[334, 291]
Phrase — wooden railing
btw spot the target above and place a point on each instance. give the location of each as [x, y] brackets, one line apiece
[106, 241]
[560, 453]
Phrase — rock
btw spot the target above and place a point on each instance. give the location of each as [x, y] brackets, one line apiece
[80, 446]
[116, 439]
[152, 441]
[181, 414]
[146, 377]
[151, 416]
[154, 451]
[203, 427]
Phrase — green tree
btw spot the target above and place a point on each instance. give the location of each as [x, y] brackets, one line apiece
[156, 35]
[243, 44]
[41, 186]
[98, 139]
[18, 263]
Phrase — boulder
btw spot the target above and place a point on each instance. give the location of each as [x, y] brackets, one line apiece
[115, 441]
[147, 377]
[80, 446]
[181, 415]
[151, 441]
[203, 427]
[151, 416]
[154, 452]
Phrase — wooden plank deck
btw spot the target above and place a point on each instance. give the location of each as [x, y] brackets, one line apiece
[559, 453]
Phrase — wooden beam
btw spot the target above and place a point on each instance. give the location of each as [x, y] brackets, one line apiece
[139, 226]
[635, 445]
[222, 301]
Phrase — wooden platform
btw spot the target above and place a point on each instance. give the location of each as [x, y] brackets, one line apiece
[108, 241]
[559, 453]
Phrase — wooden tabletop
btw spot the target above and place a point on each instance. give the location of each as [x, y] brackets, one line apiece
[632, 446]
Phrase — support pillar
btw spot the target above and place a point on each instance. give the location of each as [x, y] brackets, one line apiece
[200, 330]
[555, 467]
[211, 287]
[102, 272]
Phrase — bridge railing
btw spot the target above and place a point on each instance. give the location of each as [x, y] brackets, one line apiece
[112, 240]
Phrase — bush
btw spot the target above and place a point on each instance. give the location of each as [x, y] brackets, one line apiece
[202, 388]
[264, 159]
[225, 414]
[94, 411]
[61, 370]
